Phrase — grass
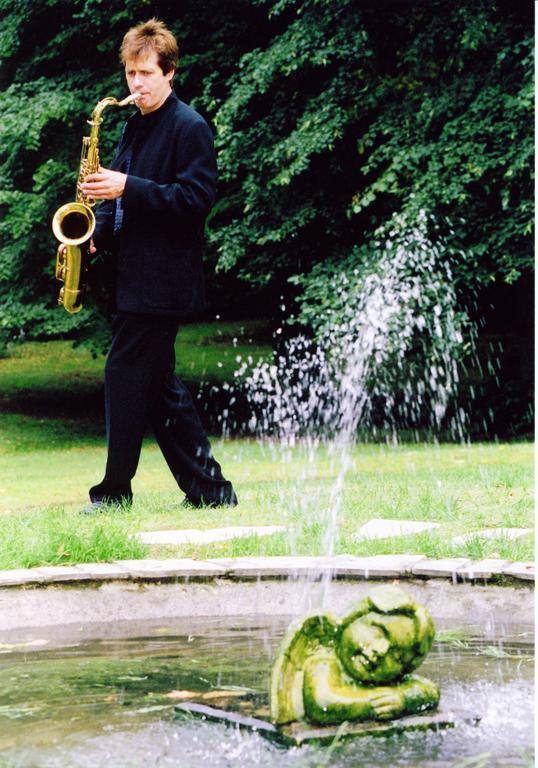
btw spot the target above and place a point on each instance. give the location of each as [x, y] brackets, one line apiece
[464, 488]
[204, 352]
[50, 454]
[54, 537]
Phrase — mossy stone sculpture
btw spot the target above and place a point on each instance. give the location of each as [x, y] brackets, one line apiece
[330, 671]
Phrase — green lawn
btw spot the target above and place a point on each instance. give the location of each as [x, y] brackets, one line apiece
[48, 463]
[204, 352]
[464, 488]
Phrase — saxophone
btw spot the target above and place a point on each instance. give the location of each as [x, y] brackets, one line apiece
[73, 223]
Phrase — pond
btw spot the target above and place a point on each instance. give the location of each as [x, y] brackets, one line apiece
[81, 697]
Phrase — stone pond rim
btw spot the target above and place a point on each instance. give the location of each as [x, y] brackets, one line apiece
[145, 590]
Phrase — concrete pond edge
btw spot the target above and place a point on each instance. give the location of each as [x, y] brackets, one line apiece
[280, 567]
[154, 590]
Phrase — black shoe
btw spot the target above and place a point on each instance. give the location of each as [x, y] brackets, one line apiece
[230, 500]
[96, 507]
[93, 508]
[100, 495]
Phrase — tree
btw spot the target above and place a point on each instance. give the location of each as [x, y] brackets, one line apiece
[331, 118]
[352, 114]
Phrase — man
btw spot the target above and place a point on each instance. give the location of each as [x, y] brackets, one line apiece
[157, 194]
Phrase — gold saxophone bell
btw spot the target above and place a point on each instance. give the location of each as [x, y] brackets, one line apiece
[73, 223]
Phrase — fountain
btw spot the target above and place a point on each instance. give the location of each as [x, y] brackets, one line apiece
[386, 355]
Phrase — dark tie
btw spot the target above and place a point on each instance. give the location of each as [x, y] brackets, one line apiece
[118, 211]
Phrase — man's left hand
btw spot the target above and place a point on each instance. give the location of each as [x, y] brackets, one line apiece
[104, 185]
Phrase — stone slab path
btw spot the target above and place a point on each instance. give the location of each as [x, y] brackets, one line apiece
[208, 536]
[376, 528]
[493, 533]
[385, 529]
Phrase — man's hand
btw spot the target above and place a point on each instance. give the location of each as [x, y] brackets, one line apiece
[104, 185]
[62, 249]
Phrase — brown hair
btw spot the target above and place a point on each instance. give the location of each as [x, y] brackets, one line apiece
[148, 36]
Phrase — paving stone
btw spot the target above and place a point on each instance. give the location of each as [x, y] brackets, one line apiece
[59, 573]
[182, 568]
[448, 567]
[101, 571]
[382, 566]
[198, 536]
[21, 576]
[520, 570]
[384, 529]
[259, 567]
[493, 533]
[389, 566]
[376, 566]
[482, 569]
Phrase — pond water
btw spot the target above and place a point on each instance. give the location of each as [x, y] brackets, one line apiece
[80, 697]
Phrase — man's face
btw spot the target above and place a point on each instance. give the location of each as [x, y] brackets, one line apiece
[144, 76]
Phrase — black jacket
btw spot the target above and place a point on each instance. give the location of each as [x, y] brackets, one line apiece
[169, 192]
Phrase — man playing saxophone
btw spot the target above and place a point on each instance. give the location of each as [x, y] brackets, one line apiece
[157, 193]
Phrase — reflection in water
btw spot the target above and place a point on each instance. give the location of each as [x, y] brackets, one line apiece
[109, 701]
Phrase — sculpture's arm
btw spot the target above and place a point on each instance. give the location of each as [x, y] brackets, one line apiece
[331, 696]
[420, 693]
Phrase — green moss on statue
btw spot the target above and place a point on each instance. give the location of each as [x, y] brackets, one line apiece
[329, 671]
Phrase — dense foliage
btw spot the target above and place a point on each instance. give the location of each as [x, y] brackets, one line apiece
[331, 117]
[351, 114]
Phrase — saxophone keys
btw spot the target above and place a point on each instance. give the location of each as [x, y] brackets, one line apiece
[61, 263]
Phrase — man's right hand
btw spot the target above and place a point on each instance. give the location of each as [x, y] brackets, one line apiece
[93, 249]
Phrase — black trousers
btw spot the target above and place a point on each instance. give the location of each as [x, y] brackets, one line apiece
[140, 389]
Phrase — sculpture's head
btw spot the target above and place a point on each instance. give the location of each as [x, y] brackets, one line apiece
[385, 637]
